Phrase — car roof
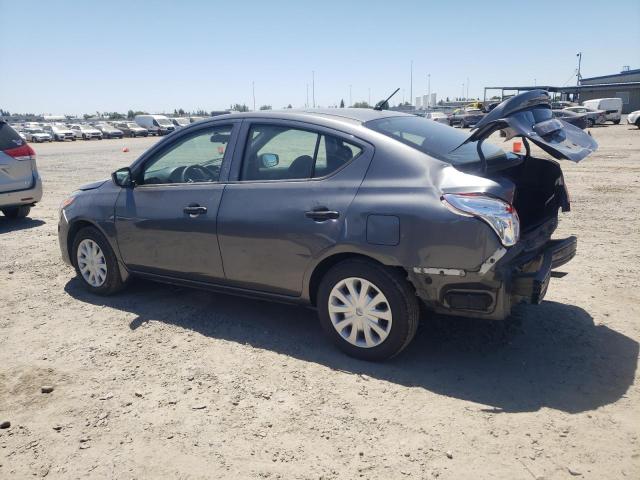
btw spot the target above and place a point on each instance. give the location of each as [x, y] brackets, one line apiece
[346, 115]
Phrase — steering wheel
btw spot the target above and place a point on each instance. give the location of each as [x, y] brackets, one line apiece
[196, 173]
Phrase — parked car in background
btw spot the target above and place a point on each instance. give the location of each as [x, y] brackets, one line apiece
[180, 122]
[85, 132]
[434, 216]
[109, 131]
[439, 117]
[36, 135]
[594, 117]
[465, 118]
[634, 118]
[197, 119]
[612, 107]
[578, 119]
[59, 133]
[156, 124]
[560, 104]
[20, 183]
[131, 129]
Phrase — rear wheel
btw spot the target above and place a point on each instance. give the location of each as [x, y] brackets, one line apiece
[95, 263]
[369, 311]
[590, 123]
[16, 212]
[616, 122]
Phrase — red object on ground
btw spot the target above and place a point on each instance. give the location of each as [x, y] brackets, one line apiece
[517, 147]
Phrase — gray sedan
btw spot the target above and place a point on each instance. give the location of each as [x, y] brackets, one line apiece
[363, 214]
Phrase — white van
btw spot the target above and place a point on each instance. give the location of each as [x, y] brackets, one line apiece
[613, 107]
[156, 124]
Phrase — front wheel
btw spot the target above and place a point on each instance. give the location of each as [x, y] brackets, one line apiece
[17, 212]
[95, 263]
[616, 122]
[590, 123]
[370, 311]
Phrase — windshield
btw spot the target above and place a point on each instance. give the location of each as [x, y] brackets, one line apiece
[163, 121]
[435, 139]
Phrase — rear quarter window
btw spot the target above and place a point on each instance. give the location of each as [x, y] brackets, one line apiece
[9, 138]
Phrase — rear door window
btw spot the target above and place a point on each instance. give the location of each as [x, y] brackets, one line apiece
[277, 152]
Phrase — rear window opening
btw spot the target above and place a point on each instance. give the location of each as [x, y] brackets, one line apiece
[437, 140]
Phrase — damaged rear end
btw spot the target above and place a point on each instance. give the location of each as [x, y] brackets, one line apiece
[518, 197]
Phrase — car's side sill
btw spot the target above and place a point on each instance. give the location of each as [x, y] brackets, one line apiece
[216, 287]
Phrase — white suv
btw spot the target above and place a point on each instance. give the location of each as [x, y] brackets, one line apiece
[20, 184]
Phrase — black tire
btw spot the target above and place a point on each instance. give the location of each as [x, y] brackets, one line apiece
[590, 123]
[403, 303]
[616, 122]
[638, 123]
[73, 139]
[84, 137]
[113, 281]
[16, 212]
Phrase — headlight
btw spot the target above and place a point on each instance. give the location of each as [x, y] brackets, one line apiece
[499, 215]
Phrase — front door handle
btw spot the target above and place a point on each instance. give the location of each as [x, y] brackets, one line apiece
[321, 214]
[194, 210]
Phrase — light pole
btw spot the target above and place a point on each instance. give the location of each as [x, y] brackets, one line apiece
[350, 100]
[462, 91]
[579, 55]
[411, 85]
[369, 102]
[429, 89]
[467, 88]
[313, 87]
[253, 91]
[306, 105]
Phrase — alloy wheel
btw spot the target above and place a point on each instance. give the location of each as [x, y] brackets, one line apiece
[360, 312]
[91, 262]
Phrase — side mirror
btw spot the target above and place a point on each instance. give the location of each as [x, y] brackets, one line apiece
[269, 160]
[122, 178]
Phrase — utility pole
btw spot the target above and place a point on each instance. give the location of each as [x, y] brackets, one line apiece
[369, 102]
[411, 87]
[313, 87]
[253, 90]
[429, 89]
[467, 88]
[579, 55]
[306, 105]
[462, 90]
[350, 100]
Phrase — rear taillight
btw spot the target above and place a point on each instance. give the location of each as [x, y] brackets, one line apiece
[23, 152]
[498, 214]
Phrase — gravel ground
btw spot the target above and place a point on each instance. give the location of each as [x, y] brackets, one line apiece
[166, 382]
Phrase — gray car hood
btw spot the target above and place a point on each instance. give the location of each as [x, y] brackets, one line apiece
[93, 185]
[529, 115]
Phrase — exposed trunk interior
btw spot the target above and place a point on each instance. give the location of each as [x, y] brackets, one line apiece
[540, 191]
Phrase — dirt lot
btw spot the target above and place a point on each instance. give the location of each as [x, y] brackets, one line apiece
[166, 382]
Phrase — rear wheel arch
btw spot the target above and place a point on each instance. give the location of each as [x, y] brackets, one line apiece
[328, 263]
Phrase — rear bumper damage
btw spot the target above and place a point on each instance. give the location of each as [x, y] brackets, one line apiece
[520, 274]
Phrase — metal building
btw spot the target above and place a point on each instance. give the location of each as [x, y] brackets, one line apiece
[624, 85]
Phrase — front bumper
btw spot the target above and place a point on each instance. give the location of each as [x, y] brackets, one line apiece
[520, 274]
[30, 196]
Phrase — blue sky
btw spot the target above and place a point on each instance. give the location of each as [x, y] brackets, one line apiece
[82, 56]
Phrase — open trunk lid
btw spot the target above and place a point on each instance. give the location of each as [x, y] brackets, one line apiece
[528, 115]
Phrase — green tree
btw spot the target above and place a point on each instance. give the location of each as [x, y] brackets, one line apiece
[130, 115]
[240, 108]
[362, 104]
[265, 107]
[181, 112]
[341, 103]
[289, 106]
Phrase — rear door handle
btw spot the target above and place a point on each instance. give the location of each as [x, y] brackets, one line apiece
[321, 214]
[194, 210]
